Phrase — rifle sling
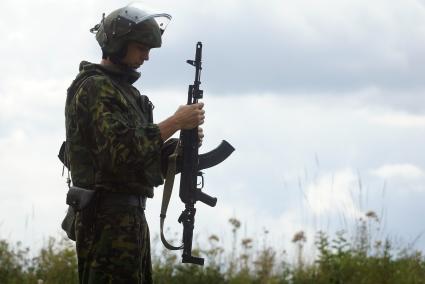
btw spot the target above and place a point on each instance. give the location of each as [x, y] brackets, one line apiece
[166, 196]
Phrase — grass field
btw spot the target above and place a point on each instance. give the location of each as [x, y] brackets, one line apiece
[339, 258]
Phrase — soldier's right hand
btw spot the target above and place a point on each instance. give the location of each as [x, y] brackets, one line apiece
[189, 116]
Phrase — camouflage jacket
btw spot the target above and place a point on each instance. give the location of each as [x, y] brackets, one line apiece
[112, 142]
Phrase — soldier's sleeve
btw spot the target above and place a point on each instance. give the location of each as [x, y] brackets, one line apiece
[120, 143]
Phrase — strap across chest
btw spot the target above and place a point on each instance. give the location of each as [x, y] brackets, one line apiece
[143, 110]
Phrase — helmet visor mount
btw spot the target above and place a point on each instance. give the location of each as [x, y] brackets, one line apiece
[136, 13]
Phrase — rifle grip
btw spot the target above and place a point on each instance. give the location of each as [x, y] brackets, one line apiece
[205, 198]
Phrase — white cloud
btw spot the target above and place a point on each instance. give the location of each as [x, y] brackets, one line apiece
[404, 171]
[399, 119]
[333, 194]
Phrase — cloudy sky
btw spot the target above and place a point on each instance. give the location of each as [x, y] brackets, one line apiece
[323, 101]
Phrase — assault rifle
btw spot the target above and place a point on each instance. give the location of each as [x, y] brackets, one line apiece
[191, 165]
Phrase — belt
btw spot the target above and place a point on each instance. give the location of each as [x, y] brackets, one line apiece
[122, 199]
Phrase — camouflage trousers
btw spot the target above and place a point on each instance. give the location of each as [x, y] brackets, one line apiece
[113, 245]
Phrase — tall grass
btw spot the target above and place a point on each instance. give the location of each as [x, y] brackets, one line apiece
[341, 258]
[56, 262]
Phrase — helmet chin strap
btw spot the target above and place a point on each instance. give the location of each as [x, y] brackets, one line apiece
[121, 65]
[116, 57]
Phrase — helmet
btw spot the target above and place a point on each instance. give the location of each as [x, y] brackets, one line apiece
[131, 23]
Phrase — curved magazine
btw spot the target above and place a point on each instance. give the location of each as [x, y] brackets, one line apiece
[216, 156]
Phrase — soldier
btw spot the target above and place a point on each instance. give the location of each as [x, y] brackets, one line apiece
[114, 148]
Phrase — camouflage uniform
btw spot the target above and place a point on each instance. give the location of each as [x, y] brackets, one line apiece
[113, 148]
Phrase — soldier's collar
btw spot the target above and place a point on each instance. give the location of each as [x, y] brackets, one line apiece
[119, 71]
[122, 72]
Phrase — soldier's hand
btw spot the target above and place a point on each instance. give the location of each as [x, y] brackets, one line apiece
[200, 135]
[189, 116]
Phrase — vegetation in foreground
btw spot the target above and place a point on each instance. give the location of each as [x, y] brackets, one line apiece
[339, 259]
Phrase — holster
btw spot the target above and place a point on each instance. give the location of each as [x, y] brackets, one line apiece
[68, 223]
[79, 200]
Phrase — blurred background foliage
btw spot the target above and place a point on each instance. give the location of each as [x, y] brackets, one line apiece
[360, 258]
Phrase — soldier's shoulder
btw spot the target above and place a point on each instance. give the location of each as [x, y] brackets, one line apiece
[96, 81]
[88, 87]
[90, 75]
[99, 88]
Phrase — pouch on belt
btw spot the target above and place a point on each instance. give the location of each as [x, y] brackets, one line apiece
[78, 199]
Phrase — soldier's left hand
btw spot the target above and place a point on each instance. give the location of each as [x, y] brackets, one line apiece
[200, 135]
